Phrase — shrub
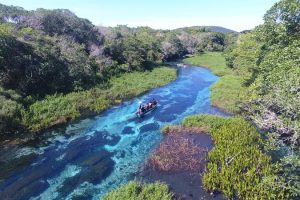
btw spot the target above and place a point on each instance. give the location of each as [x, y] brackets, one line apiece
[136, 191]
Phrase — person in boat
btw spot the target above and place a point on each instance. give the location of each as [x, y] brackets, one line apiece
[143, 109]
[140, 109]
[146, 107]
[153, 102]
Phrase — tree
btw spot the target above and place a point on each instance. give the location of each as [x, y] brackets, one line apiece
[172, 48]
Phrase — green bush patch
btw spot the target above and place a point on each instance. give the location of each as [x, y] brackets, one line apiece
[136, 191]
[237, 165]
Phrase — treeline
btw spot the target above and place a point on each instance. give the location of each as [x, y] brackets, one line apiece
[268, 60]
[49, 52]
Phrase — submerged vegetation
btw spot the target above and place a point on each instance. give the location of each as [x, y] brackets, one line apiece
[135, 191]
[178, 152]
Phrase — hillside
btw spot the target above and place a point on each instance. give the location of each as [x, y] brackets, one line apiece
[220, 29]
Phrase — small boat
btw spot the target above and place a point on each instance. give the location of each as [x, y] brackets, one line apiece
[181, 65]
[147, 111]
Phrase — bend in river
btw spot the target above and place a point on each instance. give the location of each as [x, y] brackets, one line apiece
[96, 155]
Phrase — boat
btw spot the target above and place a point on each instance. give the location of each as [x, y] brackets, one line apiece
[181, 65]
[147, 111]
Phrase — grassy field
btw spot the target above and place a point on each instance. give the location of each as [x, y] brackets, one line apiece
[59, 109]
[226, 92]
[214, 61]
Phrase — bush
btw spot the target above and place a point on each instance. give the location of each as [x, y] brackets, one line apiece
[10, 114]
[136, 191]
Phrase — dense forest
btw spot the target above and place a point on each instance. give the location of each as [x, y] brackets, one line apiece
[54, 52]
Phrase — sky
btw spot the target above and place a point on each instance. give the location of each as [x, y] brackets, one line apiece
[161, 14]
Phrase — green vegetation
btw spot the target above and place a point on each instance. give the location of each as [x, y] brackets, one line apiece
[133, 84]
[227, 91]
[214, 61]
[58, 108]
[237, 165]
[267, 59]
[206, 122]
[135, 191]
[10, 111]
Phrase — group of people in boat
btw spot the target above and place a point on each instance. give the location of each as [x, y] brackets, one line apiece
[144, 108]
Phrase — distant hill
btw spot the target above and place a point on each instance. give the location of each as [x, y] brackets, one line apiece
[220, 29]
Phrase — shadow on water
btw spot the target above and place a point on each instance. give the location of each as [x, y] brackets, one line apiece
[95, 155]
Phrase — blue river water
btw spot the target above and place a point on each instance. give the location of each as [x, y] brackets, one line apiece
[93, 156]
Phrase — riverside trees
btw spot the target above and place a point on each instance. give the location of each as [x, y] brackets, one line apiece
[268, 59]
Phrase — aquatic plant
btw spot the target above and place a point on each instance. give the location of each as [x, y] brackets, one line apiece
[135, 190]
[237, 165]
[179, 130]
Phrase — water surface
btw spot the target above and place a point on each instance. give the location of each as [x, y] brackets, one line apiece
[95, 155]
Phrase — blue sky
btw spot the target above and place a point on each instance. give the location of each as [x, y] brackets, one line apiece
[166, 14]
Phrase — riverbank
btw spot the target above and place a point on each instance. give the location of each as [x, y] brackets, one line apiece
[60, 109]
[228, 90]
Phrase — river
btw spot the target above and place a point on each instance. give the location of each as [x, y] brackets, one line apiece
[90, 157]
